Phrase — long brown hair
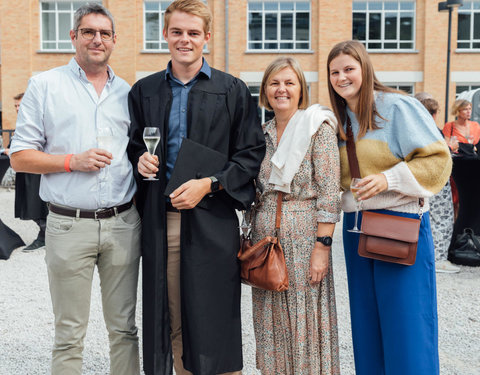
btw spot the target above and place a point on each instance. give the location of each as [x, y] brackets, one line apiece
[366, 110]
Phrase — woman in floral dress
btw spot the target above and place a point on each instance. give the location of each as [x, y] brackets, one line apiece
[296, 330]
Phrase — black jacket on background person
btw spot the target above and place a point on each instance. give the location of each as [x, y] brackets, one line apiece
[223, 116]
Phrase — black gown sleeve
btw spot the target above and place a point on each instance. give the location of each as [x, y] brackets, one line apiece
[246, 148]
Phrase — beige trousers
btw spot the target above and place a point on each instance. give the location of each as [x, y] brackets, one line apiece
[73, 248]
[173, 284]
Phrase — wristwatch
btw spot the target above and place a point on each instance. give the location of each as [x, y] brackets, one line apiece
[215, 184]
[326, 240]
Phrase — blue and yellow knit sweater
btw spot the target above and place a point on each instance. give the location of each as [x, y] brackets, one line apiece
[408, 149]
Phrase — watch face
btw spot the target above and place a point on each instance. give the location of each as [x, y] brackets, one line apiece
[327, 241]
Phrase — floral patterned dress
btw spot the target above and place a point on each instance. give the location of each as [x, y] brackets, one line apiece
[296, 330]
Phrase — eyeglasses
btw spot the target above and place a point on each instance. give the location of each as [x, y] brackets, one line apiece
[89, 34]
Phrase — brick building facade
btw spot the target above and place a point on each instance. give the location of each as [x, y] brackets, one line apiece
[407, 41]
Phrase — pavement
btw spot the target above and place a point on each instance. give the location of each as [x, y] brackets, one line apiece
[26, 319]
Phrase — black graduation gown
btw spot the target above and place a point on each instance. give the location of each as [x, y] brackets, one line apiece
[223, 116]
[28, 204]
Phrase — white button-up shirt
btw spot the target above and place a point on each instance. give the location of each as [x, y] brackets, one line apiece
[61, 113]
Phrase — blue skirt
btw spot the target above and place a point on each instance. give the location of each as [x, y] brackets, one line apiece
[393, 307]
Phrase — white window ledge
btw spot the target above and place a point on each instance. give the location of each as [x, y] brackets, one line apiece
[257, 76]
[55, 51]
[465, 50]
[392, 51]
[466, 77]
[400, 77]
[278, 51]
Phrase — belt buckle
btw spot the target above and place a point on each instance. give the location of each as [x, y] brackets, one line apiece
[96, 212]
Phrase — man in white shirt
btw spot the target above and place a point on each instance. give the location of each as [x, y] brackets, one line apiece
[73, 129]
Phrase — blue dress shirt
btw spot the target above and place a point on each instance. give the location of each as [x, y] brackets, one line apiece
[61, 113]
[177, 122]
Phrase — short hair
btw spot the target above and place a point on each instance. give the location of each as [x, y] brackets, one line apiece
[19, 96]
[194, 7]
[430, 104]
[89, 8]
[422, 96]
[274, 67]
[458, 105]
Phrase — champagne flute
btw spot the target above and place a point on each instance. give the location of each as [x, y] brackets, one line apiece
[453, 143]
[151, 137]
[354, 188]
[105, 142]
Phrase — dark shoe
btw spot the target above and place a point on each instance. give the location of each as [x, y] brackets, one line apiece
[37, 244]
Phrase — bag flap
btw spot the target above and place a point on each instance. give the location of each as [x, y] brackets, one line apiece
[389, 226]
[245, 254]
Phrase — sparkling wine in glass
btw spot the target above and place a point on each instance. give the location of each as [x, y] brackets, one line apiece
[151, 137]
[105, 142]
[354, 188]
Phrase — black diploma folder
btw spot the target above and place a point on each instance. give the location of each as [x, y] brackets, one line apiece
[194, 161]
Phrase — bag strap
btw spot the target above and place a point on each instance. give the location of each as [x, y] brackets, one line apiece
[353, 160]
[278, 216]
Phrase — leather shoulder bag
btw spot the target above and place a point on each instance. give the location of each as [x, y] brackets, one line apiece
[385, 237]
[263, 263]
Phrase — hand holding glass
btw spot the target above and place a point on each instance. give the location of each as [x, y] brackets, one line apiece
[151, 137]
[354, 188]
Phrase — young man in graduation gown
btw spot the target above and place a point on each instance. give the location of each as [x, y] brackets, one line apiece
[191, 282]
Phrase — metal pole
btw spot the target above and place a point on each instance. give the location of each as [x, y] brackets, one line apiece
[448, 63]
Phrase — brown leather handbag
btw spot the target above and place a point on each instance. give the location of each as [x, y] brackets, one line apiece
[385, 237]
[263, 263]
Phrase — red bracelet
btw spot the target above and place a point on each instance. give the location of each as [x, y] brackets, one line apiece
[66, 164]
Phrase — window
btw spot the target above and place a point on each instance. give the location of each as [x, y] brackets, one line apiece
[384, 25]
[264, 114]
[468, 36]
[278, 25]
[153, 25]
[56, 23]
[466, 87]
[153, 15]
[408, 88]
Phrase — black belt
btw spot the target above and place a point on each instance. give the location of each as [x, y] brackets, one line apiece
[102, 213]
[170, 208]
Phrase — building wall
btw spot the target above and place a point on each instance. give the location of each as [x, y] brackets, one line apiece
[331, 22]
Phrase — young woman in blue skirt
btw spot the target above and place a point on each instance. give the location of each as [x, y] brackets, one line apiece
[402, 158]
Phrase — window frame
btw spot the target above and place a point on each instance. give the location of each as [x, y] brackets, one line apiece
[56, 12]
[162, 39]
[472, 10]
[382, 39]
[278, 40]
[471, 86]
[399, 85]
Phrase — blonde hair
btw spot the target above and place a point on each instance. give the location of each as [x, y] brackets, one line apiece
[194, 7]
[458, 105]
[274, 67]
[366, 110]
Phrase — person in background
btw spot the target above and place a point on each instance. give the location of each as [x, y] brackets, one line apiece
[441, 207]
[296, 330]
[402, 158]
[190, 239]
[28, 204]
[462, 130]
[88, 182]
